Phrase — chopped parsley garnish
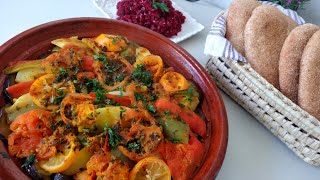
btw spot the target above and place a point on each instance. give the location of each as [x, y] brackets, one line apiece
[116, 39]
[75, 69]
[175, 141]
[161, 5]
[68, 126]
[122, 110]
[62, 74]
[151, 108]
[63, 71]
[167, 113]
[120, 88]
[103, 58]
[29, 161]
[52, 127]
[56, 124]
[114, 138]
[142, 97]
[140, 74]
[189, 94]
[119, 77]
[112, 67]
[153, 97]
[133, 146]
[100, 97]
[61, 94]
[93, 85]
[139, 97]
[5, 155]
[83, 140]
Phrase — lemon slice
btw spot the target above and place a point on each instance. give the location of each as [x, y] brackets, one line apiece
[62, 160]
[173, 82]
[152, 63]
[150, 168]
[82, 158]
[45, 90]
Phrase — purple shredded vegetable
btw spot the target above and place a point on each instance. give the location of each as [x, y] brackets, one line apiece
[144, 13]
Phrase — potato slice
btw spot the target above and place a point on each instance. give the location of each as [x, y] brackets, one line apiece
[142, 52]
[23, 104]
[109, 116]
[20, 65]
[69, 41]
[29, 74]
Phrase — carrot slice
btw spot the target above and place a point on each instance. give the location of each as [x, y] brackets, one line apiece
[122, 100]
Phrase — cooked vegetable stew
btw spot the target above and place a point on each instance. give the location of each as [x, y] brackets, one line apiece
[102, 108]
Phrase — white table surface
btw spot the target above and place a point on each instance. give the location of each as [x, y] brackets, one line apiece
[253, 152]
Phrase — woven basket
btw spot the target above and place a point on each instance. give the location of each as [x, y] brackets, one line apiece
[292, 125]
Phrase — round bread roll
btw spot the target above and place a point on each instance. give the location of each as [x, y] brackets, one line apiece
[264, 35]
[290, 56]
[238, 15]
[309, 79]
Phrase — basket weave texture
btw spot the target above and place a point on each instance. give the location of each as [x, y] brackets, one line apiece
[292, 125]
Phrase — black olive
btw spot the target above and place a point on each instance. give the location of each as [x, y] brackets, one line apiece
[32, 171]
[3, 139]
[8, 82]
[44, 55]
[59, 176]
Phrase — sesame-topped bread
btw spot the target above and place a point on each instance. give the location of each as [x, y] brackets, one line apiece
[309, 79]
[264, 36]
[238, 15]
[290, 56]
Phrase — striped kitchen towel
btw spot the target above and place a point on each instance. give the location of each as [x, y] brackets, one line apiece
[217, 45]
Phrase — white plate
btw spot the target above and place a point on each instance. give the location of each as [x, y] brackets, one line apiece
[189, 28]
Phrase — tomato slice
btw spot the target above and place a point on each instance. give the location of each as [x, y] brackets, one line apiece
[87, 63]
[19, 89]
[101, 166]
[22, 145]
[82, 75]
[33, 121]
[195, 122]
[183, 159]
[28, 131]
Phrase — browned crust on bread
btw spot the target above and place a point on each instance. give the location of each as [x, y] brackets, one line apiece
[238, 15]
[309, 80]
[290, 56]
[264, 35]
